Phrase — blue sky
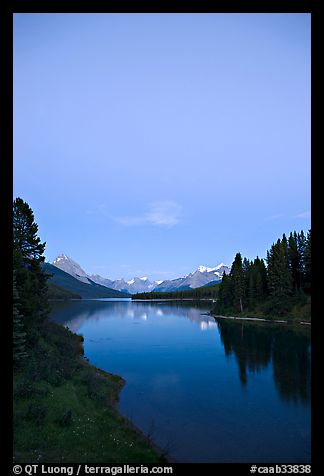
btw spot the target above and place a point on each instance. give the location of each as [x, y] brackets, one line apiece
[148, 144]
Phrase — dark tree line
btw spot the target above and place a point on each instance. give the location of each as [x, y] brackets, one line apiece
[30, 303]
[206, 292]
[271, 287]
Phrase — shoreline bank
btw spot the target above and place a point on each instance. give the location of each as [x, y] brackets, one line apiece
[65, 409]
[122, 382]
[259, 319]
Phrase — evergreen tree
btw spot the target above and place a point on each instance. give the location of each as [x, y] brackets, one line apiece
[256, 276]
[31, 280]
[228, 291]
[294, 261]
[19, 335]
[246, 264]
[263, 274]
[307, 275]
[260, 278]
[251, 298]
[301, 245]
[27, 245]
[225, 294]
[247, 268]
[279, 277]
[269, 289]
[237, 277]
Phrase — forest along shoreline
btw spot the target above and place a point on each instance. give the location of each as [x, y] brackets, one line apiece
[277, 288]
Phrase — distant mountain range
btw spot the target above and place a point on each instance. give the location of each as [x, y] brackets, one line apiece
[68, 282]
[135, 285]
[203, 276]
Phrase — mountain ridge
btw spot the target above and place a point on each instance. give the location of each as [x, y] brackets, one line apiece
[202, 276]
[70, 283]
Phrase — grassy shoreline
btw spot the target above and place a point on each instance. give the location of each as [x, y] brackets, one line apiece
[260, 319]
[65, 409]
[297, 309]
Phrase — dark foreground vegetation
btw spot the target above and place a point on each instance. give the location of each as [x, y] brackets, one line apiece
[280, 289]
[206, 292]
[64, 408]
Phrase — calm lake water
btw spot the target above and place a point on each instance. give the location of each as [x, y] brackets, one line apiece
[206, 391]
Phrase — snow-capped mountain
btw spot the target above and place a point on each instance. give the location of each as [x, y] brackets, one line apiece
[201, 277]
[204, 269]
[135, 285]
[71, 267]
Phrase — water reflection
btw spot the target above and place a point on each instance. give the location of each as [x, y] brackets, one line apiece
[256, 346]
[221, 391]
[75, 314]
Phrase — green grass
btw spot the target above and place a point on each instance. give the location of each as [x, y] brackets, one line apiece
[68, 414]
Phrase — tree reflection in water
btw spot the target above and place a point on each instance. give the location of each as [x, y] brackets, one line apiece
[257, 345]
